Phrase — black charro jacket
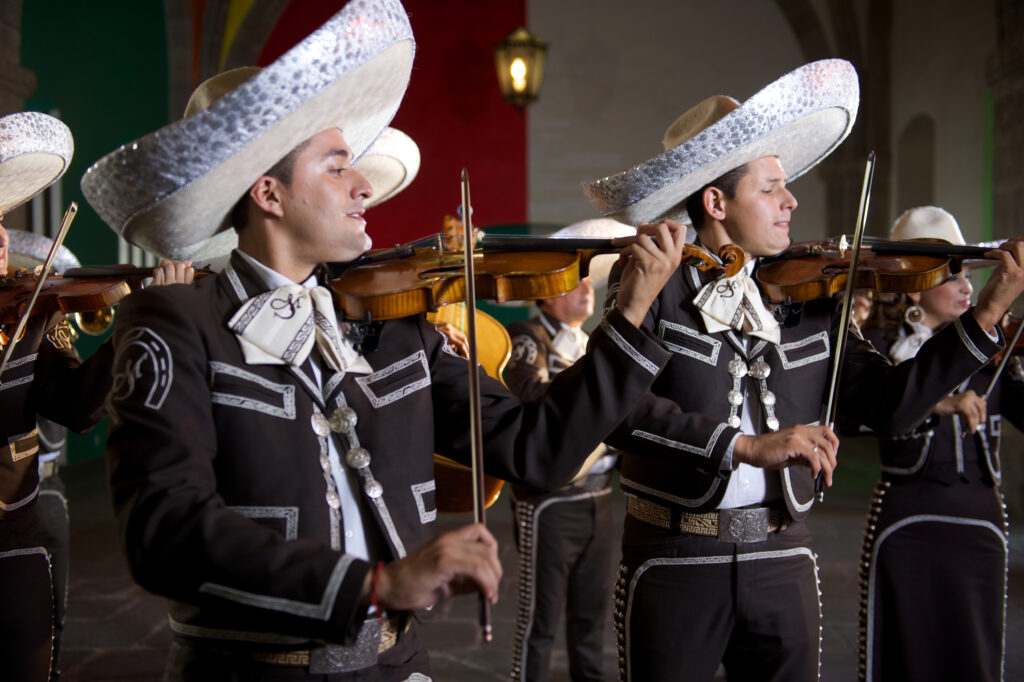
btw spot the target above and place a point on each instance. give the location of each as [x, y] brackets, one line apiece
[674, 457]
[215, 467]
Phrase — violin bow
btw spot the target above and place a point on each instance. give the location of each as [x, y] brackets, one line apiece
[69, 215]
[844, 322]
[475, 430]
[1006, 359]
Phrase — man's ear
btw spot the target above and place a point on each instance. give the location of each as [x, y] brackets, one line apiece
[267, 193]
[714, 203]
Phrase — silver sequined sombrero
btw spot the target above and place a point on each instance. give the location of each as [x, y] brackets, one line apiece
[35, 150]
[171, 191]
[28, 249]
[799, 118]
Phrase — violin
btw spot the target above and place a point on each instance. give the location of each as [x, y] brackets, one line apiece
[418, 278]
[59, 294]
[453, 481]
[819, 269]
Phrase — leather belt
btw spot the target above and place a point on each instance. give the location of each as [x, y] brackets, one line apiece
[375, 637]
[728, 525]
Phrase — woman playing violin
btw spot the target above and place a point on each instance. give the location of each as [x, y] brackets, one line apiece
[933, 576]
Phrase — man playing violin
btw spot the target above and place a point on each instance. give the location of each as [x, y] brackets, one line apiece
[44, 376]
[717, 563]
[271, 470]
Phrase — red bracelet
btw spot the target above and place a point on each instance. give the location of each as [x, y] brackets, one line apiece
[373, 589]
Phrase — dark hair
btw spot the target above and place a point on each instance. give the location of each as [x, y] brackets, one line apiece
[727, 183]
[281, 171]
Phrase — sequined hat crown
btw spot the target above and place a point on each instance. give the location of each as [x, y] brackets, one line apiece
[800, 118]
[172, 191]
[28, 249]
[35, 150]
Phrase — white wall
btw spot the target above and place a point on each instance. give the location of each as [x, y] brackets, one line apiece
[620, 72]
[939, 51]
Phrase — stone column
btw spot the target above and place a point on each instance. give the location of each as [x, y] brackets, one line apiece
[16, 83]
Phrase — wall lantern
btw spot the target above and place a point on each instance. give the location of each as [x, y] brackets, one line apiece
[519, 60]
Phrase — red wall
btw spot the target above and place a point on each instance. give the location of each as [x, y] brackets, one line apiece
[453, 110]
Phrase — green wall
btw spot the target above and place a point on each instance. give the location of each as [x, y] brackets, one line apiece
[103, 66]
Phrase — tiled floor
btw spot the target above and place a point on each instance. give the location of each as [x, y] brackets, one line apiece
[115, 631]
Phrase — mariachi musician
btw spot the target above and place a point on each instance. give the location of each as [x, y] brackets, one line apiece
[563, 538]
[717, 560]
[934, 569]
[43, 376]
[271, 472]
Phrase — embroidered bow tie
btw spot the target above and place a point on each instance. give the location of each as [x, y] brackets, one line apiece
[735, 303]
[279, 327]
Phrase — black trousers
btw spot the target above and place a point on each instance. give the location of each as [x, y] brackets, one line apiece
[565, 566]
[26, 598]
[685, 603]
[52, 508]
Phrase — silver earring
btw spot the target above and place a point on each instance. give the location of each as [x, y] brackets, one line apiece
[913, 315]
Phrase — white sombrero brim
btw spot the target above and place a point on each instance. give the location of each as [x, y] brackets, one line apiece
[800, 118]
[597, 228]
[171, 191]
[389, 165]
[28, 249]
[35, 150]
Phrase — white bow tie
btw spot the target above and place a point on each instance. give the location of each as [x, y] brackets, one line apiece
[279, 327]
[570, 343]
[735, 303]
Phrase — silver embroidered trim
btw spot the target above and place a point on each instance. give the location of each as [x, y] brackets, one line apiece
[309, 382]
[26, 551]
[418, 489]
[817, 357]
[17, 363]
[400, 392]
[16, 382]
[916, 466]
[235, 282]
[18, 504]
[677, 445]
[285, 411]
[156, 350]
[321, 610]
[628, 348]
[290, 515]
[716, 345]
[366, 477]
[974, 350]
[682, 501]
[788, 482]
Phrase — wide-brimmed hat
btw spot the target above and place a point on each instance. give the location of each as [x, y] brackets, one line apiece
[800, 118]
[927, 222]
[28, 249]
[597, 228]
[35, 150]
[171, 192]
[389, 165]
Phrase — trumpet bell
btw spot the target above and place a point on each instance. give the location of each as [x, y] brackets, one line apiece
[95, 322]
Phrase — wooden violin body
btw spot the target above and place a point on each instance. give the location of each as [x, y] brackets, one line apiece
[66, 295]
[813, 270]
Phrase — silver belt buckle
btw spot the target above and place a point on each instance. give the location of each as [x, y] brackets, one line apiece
[334, 658]
[743, 525]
